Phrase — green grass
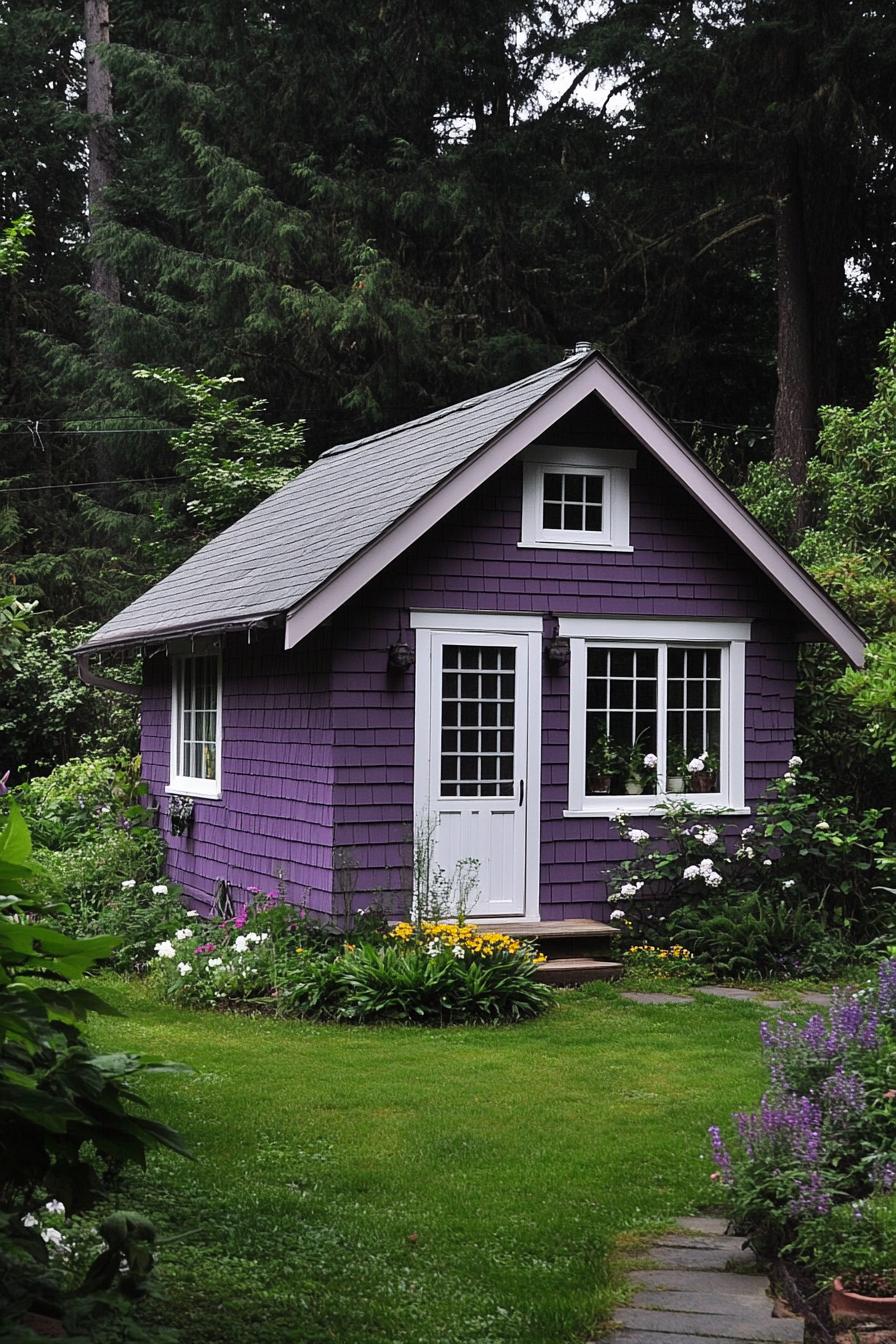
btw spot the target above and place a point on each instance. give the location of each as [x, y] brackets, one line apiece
[414, 1186]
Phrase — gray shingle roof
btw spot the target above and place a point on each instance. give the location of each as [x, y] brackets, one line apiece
[288, 546]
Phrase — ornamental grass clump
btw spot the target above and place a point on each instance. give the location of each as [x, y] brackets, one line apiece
[825, 1130]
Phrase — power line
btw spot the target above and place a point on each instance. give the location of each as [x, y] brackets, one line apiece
[35, 431]
[89, 485]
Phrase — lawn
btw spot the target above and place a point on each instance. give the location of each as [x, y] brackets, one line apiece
[412, 1186]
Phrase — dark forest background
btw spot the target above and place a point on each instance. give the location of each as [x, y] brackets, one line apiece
[368, 210]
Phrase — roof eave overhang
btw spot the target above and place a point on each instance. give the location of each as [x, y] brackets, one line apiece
[157, 638]
[592, 375]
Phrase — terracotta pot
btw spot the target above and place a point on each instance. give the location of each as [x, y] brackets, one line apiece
[598, 783]
[845, 1303]
[704, 781]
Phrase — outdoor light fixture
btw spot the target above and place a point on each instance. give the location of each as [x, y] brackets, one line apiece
[558, 654]
[401, 657]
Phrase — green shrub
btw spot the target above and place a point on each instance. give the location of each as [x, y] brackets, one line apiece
[66, 1118]
[855, 1242]
[644, 963]
[790, 893]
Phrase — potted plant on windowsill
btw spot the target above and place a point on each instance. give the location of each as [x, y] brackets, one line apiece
[704, 772]
[600, 763]
[677, 777]
[640, 774]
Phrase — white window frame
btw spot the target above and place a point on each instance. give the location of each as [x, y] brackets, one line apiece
[730, 637]
[613, 465]
[187, 784]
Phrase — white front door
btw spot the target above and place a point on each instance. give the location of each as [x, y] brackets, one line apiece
[476, 789]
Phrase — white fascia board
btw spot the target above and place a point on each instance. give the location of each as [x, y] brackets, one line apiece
[662, 628]
[512, 623]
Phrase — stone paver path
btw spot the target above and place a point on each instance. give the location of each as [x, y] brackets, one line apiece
[694, 1293]
[725, 992]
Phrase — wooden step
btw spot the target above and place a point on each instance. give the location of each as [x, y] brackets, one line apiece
[576, 970]
[545, 928]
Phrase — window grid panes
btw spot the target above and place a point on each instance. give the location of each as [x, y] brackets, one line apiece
[198, 716]
[478, 707]
[662, 701]
[572, 502]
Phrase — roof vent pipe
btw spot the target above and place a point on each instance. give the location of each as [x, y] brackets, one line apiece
[583, 348]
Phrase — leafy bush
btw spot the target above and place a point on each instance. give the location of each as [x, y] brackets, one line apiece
[645, 963]
[824, 1132]
[100, 855]
[418, 973]
[855, 1242]
[790, 893]
[48, 715]
[66, 1114]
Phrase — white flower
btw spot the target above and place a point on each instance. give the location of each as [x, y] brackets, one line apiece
[253, 937]
[696, 765]
[181, 934]
[747, 830]
[706, 866]
[55, 1206]
[128, 883]
[240, 944]
[184, 967]
[165, 949]
[746, 852]
[630, 888]
[789, 883]
[160, 890]
[361, 910]
[615, 896]
[766, 863]
[713, 879]
[55, 1240]
[458, 951]
[822, 826]
[433, 947]
[214, 962]
[691, 872]
[650, 760]
[794, 762]
[709, 836]
[619, 814]
[789, 777]
[193, 914]
[637, 837]
[29, 1220]
[617, 914]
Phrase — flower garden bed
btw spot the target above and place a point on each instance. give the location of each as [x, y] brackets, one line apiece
[810, 1177]
[270, 958]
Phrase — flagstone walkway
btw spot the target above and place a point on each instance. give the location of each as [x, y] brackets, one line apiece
[702, 1287]
[820, 1000]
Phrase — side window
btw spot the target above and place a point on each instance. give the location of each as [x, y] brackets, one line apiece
[196, 725]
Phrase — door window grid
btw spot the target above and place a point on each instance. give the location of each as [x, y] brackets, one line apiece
[477, 731]
[572, 501]
[667, 700]
[198, 718]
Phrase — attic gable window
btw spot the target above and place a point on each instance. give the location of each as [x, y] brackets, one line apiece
[196, 726]
[576, 498]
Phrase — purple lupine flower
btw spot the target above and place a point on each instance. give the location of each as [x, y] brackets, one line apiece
[811, 1198]
[721, 1155]
[886, 987]
[843, 1097]
[4, 784]
[883, 1174]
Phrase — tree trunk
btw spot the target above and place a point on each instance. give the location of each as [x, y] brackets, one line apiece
[796, 403]
[100, 137]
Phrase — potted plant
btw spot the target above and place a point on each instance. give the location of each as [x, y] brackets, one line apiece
[640, 766]
[853, 1247]
[600, 762]
[704, 772]
[677, 772]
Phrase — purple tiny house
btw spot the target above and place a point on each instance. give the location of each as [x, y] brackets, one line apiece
[489, 617]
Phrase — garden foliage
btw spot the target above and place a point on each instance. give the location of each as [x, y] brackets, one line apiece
[796, 892]
[423, 972]
[819, 1155]
[68, 1117]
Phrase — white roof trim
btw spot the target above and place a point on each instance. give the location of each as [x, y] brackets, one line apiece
[593, 375]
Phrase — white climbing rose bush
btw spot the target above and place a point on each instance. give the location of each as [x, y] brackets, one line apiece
[784, 893]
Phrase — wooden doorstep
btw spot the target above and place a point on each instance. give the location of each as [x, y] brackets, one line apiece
[545, 928]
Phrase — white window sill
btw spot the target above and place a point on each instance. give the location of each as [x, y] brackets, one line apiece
[574, 546]
[195, 788]
[637, 807]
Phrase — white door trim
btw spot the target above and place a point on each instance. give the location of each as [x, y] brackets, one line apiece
[426, 623]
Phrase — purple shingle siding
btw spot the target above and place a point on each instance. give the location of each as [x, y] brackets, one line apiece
[319, 741]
